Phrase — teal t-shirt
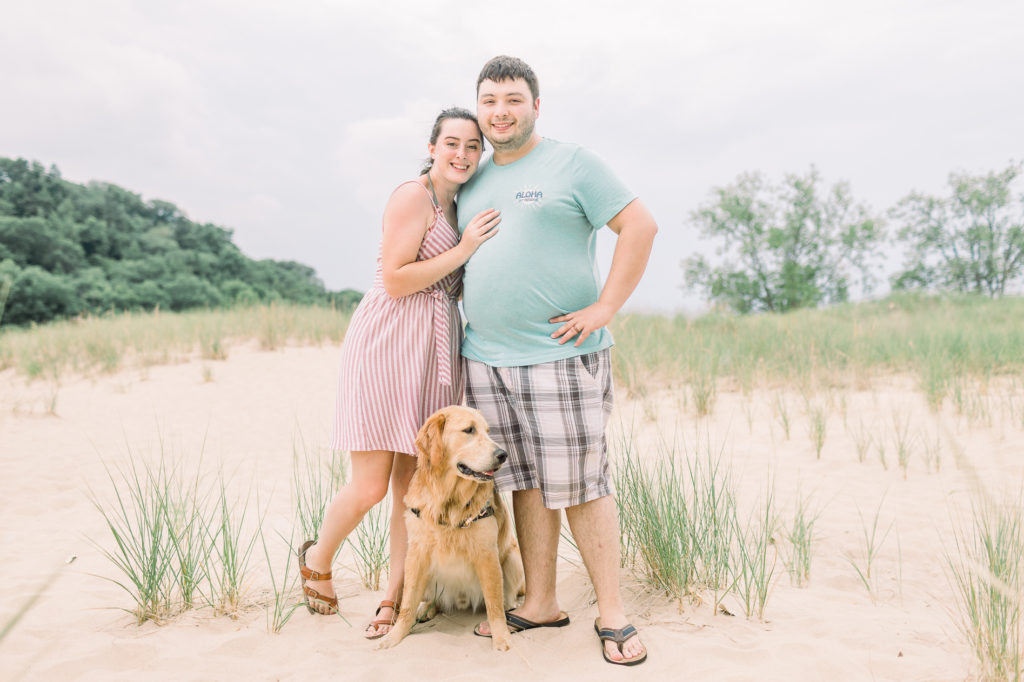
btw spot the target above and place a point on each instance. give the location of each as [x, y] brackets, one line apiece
[542, 263]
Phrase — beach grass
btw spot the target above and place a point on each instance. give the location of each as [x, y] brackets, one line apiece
[800, 534]
[954, 345]
[704, 387]
[229, 549]
[817, 427]
[936, 338]
[682, 530]
[176, 541]
[902, 439]
[781, 410]
[861, 436]
[284, 584]
[755, 556]
[186, 506]
[108, 343]
[313, 485]
[986, 571]
[931, 451]
[880, 449]
[138, 520]
[371, 548]
[655, 521]
[864, 562]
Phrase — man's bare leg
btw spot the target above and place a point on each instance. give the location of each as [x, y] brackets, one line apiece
[595, 527]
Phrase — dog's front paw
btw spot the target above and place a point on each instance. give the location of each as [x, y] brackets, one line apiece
[425, 612]
[501, 641]
[388, 641]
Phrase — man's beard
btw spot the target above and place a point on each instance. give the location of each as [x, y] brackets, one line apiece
[514, 143]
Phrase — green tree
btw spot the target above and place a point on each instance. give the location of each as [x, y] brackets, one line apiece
[144, 295]
[346, 299]
[188, 291]
[9, 272]
[94, 290]
[67, 248]
[38, 296]
[971, 241]
[28, 190]
[237, 291]
[36, 241]
[783, 246]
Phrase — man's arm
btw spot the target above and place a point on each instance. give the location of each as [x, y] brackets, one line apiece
[635, 228]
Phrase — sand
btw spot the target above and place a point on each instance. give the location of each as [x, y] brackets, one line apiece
[248, 413]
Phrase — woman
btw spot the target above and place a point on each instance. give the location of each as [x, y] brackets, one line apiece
[400, 360]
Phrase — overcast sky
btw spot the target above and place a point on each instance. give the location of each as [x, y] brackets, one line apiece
[291, 122]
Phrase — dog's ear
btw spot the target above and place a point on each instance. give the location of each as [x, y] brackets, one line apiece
[428, 440]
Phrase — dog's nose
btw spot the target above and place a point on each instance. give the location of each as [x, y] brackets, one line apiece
[501, 455]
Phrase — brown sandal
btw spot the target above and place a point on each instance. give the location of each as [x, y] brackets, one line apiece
[386, 604]
[308, 593]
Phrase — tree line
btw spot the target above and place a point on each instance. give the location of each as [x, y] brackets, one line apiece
[798, 243]
[68, 249]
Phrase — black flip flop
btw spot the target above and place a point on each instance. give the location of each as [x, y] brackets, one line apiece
[518, 623]
[619, 637]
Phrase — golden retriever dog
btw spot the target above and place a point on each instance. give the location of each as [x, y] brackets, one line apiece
[461, 546]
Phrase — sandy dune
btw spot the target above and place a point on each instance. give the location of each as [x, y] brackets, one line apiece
[259, 405]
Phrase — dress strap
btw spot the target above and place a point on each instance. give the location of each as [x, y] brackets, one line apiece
[437, 204]
[430, 193]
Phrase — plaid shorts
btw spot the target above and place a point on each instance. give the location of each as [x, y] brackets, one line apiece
[551, 420]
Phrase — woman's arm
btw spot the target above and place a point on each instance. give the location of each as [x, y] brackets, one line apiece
[407, 217]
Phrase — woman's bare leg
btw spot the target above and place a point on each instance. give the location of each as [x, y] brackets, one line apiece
[371, 471]
[401, 475]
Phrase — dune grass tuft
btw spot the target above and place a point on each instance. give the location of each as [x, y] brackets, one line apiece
[177, 543]
[372, 544]
[682, 532]
[755, 556]
[986, 569]
[800, 535]
[313, 485]
[816, 427]
[229, 550]
[284, 599]
[863, 563]
[138, 521]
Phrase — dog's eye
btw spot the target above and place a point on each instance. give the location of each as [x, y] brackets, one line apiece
[471, 429]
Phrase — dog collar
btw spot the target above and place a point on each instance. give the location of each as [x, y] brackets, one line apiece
[484, 513]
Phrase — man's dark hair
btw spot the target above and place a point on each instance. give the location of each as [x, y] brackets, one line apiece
[503, 68]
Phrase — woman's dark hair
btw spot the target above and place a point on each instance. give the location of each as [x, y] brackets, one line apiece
[450, 112]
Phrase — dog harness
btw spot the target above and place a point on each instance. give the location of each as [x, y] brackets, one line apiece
[484, 513]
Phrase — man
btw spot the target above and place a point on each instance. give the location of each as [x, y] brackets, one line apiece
[537, 347]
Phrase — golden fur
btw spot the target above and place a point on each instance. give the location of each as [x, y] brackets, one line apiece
[456, 566]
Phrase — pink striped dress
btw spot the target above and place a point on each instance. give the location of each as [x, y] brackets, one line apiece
[400, 360]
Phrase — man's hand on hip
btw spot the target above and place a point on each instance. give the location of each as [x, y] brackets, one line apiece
[582, 323]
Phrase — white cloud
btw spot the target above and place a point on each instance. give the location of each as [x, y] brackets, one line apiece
[292, 122]
[375, 154]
